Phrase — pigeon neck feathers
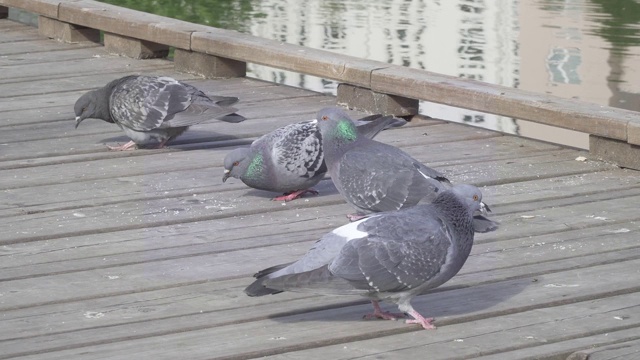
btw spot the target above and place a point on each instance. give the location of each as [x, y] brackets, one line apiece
[252, 167]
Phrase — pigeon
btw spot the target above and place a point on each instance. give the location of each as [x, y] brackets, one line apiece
[373, 176]
[290, 159]
[153, 109]
[391, 256]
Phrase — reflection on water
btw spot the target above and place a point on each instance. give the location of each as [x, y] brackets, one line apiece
[584, 49]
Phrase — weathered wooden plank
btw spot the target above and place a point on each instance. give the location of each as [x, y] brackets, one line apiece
[194, 307]
[65, 84]
[51, 142]
[309, 329]
[438, 155]
[475, 272]
[17, 34]
[79, 68]
[187, 209]
[563, 349]
[68, 195]
[169, 186]
[523, 337]
[11, 28]
[628, 350]
[26, 48]
[45, 57]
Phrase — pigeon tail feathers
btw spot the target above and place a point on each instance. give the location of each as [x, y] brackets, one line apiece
[317, 281]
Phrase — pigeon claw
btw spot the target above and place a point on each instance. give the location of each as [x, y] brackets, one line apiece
[128, 146]
[427, 323]
[294, 195]
[378, 313]
[355, 217]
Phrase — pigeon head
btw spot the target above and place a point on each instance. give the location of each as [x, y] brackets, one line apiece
[93, 104]
[336, 125]
[236, 163]
[471, 197]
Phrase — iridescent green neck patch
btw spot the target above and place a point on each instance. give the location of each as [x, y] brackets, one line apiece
[346, 130]
[255, 167]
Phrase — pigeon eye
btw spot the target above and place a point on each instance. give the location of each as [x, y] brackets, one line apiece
[235, 163]
[325, 117]
[475, 197]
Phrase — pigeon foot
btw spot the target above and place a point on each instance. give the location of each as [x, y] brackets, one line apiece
[294, 195]
[128, 146]
[355, 217]
[378, 313]
[427, 323]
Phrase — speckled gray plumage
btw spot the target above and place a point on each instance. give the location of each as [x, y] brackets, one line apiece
[373, 176]
[370, 175]
[391, 256]
[291, 158]
[153, 109]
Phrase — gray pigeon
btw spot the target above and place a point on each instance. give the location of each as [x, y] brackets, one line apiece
[391, 256]
[373, 176]
[290, 159]
[153, 109]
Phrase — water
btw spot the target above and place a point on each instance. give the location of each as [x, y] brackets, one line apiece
[583, 49]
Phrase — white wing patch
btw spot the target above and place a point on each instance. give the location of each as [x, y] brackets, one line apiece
[350, 231]
[423, 174]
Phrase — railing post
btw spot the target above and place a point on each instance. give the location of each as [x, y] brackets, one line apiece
[358, 98]
[209, 66]
[134, 48]
[66, 32]
[619, 152]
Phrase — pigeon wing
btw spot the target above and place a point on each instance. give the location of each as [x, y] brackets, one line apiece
[400, 254]
[298, 149]
[382, 178]
[143, 103]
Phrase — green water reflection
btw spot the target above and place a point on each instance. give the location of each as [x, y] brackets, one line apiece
[621, 23]
[620, 19]
[234, 15]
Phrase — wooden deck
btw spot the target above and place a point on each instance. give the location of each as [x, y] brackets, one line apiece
[144, 254]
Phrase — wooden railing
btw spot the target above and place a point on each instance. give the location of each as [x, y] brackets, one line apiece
[365, 84]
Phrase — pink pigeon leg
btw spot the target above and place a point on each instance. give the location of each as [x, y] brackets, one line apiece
[128, 146]
[355, 217]
[294, 195]
[378, 313]
[162, 144]
[419, 319]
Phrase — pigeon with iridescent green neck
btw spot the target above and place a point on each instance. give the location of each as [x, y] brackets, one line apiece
[373, 176]
[290, 159]
[390, 256]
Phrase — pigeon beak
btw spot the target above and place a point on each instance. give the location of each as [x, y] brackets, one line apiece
[227, 174]
[78, 121]
[484, 208]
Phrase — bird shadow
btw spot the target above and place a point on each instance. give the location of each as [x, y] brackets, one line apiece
[192, 140]
[448, 304]
[324, 188]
